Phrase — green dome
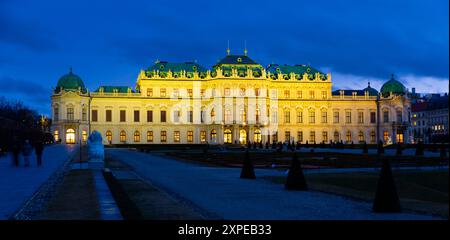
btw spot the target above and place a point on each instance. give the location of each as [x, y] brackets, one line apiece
[70, 82]
[392, 86]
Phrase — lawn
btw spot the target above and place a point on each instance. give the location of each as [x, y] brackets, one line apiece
[421, 191]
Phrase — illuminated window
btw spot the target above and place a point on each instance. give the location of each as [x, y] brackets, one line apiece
[56, 135]
[213, 135]
[324, 95]
[149, 136]
[287, 93]
[109, 136]
[348, 136]
[361, 136]
[299, 94]
[137, 136]
[176, 136]
[227, 91]
[311, 94]
[190, 136]
[123, 136]
[203, 136]
[84, 136]
[257, 136]
[162, 92]
[149, 92]
[385, 135]
[163, 136]
[257, 92]
[190, 94]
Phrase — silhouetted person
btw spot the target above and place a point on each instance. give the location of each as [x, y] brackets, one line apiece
[16, 152]
[26, 151]
[39, 148]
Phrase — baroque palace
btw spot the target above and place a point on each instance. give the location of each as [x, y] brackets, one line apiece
[235, 101]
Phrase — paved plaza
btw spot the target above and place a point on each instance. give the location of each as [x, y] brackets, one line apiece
[18, 184]
[221, 194]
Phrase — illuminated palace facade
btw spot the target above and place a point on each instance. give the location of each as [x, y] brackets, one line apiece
[235, 101]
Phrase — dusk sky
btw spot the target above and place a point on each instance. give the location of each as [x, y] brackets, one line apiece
[108, 42]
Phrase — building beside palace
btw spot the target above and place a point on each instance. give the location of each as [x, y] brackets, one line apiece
[430, 119]
[235, 101]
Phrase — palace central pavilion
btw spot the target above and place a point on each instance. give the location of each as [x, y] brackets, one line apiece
[235, 101]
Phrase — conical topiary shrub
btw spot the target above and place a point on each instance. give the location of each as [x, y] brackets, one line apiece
[365, 149]
[248, 171]
[386, 197]
[380, 148]
[296, 178]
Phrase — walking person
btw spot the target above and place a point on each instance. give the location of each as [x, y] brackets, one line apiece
[26, 151]
[39, 148]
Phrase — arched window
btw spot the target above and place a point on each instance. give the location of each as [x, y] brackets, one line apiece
[123, 136]
[361, 136]
[257, 136]
[109, 136]
[149, 136]
[56, 135]
[336, 136]
[312, 116]
[70, 136]
[213, 115]
[372, 137]
[213, 135]
[84, 136]
[227, 136]
[348, 136]
[137, 136]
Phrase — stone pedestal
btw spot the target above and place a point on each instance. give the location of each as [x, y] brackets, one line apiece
[96, 151]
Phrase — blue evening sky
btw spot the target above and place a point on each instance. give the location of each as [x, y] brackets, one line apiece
[108, 42]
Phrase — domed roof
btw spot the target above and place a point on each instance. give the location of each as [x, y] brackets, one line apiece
[70, 82]
[372, 91]
[392, 86]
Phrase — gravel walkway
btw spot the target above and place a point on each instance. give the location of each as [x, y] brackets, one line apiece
[222, 193]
